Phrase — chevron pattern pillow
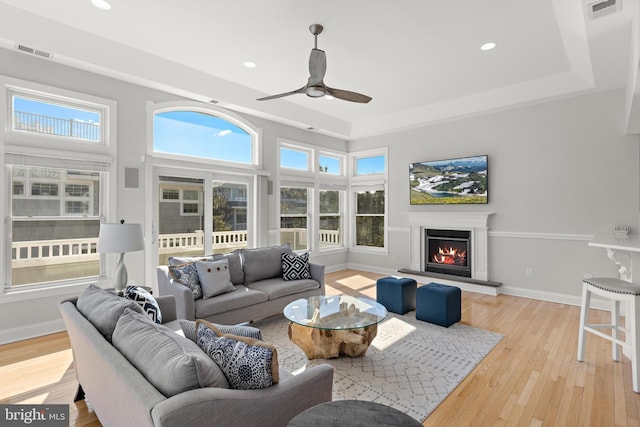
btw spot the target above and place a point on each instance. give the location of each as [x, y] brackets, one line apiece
[295, 267]
[145, 300]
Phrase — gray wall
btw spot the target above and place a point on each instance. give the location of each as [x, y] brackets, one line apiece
[558, 173]
[22, 318]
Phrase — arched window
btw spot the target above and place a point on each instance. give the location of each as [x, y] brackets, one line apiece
[204, 135]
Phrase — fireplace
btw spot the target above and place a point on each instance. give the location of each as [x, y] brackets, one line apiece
[448, 252]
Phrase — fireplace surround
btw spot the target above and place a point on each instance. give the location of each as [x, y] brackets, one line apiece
[474, 223]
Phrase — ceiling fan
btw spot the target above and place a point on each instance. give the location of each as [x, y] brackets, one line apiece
[315, 86]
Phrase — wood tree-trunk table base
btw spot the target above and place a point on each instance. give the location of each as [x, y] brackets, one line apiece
[329, 343]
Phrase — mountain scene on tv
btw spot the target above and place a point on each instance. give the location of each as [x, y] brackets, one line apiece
[453, 181]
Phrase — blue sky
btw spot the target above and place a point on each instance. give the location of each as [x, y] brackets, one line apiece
[52, 110]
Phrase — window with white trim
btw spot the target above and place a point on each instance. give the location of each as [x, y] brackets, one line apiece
[369, 199]
[57, 156]
[323, 185]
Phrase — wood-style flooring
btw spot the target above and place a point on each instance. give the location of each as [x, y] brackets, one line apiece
[531, 378]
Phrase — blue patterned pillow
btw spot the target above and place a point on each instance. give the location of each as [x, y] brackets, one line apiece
[247, 364]
[187, 274]
[295, 267]
[145, 300]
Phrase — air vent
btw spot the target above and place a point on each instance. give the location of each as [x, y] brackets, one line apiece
[33, 51]
[603, 8]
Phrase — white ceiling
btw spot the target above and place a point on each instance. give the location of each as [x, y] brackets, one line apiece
[419, 60]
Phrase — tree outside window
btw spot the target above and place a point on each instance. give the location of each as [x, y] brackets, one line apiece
[294, 217]
[330, 218]
[370, 218]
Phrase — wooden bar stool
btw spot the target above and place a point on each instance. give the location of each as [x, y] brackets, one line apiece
[617, 291]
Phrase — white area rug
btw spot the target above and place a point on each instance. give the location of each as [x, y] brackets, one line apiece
[411, 365]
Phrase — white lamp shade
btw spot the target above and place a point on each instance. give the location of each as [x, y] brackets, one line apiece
[120, 238]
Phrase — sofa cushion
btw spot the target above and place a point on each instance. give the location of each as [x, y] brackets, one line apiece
[187, 275]
[263, 263]
[103, 308]
[145, 300]
[296, 267]
[214, 277]
[172, 363]
[241, 297]
[235, 266]
[278, 287]
[189, 330]
[247, 363]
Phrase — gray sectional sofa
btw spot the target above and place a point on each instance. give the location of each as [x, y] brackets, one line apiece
[260, 289]
[135, 372]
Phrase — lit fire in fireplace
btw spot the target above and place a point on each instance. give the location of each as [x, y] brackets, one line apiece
[450, 256]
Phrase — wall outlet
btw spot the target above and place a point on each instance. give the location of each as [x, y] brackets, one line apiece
[528, 271]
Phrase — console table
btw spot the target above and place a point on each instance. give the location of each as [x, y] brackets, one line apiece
[619, 250]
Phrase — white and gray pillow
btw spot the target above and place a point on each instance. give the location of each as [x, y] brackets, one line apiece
[214, 277]
[189, 330]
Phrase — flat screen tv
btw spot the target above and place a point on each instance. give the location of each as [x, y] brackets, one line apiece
[452, 181]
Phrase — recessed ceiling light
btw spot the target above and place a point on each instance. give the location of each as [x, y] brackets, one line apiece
[101, 4]
[488, 46]
[249, 64]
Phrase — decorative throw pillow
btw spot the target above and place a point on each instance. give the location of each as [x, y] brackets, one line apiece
[189, 330]
[295, 267]
[214, 277]
[187, 274]
[248, 364]
[145, 300]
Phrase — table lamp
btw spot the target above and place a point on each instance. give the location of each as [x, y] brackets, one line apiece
[120, 238]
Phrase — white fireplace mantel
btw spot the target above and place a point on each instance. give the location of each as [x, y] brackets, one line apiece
[475, 222]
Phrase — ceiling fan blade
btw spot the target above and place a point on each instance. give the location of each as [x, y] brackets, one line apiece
[347, 95]
[281, 95]
[317, 66]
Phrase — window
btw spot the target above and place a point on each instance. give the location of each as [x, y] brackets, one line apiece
[330, 218]
[170, 194]
[55, 202]
[56, 117]
[331, 165]
[54, 238]
[294, 158]
[370, 218]
[294, 217]
[370, 165]
[202, 135]
[369, 199]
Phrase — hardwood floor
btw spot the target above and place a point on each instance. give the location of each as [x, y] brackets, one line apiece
[531, 378]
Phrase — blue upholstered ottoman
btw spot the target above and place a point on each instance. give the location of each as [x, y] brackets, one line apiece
[439, 304]
[397, 294]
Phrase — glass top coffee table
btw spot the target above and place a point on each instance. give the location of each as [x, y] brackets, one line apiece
[328, 326]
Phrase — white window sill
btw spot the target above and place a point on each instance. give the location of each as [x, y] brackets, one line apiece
[61, 291]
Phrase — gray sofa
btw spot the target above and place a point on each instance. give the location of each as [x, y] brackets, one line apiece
[260, 290]
[121, 391]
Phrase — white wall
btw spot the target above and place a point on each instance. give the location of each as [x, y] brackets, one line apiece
[22, 318]
[558, 172]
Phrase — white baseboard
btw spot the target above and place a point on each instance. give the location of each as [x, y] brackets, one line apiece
[31, 331]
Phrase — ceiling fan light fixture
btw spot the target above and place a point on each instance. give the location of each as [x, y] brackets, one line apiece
[316, 91]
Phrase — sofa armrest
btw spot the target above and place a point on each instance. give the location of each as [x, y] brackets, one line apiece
[273, 406]
[185, 306]
[317, 274]
[167, 304]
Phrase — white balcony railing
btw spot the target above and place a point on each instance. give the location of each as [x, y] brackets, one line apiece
[47, 252]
